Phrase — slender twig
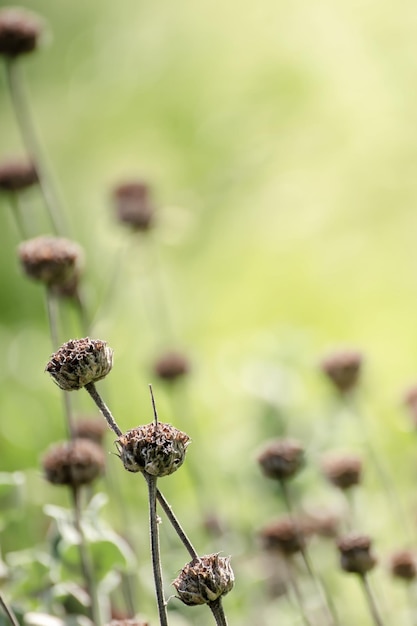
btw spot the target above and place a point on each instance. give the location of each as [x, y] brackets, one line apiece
[176, 525]
[104, 409]
[16, 207]
[216, 607]
[85, 561]
[8, 611]
[371, 601]
[156, 557]
[27, 130]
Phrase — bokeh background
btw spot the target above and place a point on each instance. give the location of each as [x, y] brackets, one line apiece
[280, 140]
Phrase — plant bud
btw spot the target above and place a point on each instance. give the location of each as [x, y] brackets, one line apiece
[204, 580]
[157, 449]
[355, 554]
[54, 261]
[281, 459]
[78, 462]
[19, 32]
[16, 175]
[80, 362]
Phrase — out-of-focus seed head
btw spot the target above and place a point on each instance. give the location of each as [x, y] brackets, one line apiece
[79, 362]
[204, 580]
[281, 459]
[19, 31]
[171, 366]
[92, 428]
[410, 397]
[54, 261]
[285, 535]
[403, 564]
[78, 462]
[343, 470]
[343, 369]
[322, 523]
[133, 204]
[157, 449]
[17, 175]
[355, 554]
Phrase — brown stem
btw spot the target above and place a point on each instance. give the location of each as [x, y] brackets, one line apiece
[176, 525]
[104, 409]
[8, 611]
[156, 557]
[216, 607]
[371, 601]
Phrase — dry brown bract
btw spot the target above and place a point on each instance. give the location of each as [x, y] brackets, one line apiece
[204, 580]
[74, 463]
[19, 31]
[157, 449]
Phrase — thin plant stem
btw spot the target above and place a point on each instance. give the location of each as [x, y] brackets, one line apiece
[16, 207]
[176, 525]
[8, 611]
[216, 607]
[156, 557]
[104, 409]
[373, 609]
[28, 133]
[86, 565]
[297, 592]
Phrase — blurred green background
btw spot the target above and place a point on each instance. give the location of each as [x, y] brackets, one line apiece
[281, 142]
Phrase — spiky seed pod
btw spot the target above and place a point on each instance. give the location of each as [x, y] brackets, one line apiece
[157, 449]
[19, 32]
[80, 362]
[281, 459]
[55, 261]
[343, 470]
[78, 462]
[403, 565]
[171, 366]
[90, 428]
[343, 369]
[17, 175]
[204, 580]
[133, 204]
[284, 534]
[355, 554]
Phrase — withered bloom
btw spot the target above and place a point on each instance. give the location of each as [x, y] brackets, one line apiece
[80, 362]
[78, 462]
[343, 470]
[55, 261]
[281, 459]
[284, 534]
[355, 554]
[204, 580]
[171, 366]
[133, 204]
[17, 175]
[19, 32]
[157, 449]
[90, 428]
[403, 565]
[343, 369]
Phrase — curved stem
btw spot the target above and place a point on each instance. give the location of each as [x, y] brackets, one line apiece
[104, 409]
[371, 601]
[176, 525]
[216, 608]
[156, 557]
[8, 611]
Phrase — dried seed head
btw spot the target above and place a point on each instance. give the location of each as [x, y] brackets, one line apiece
[75, 463]
[79, 362]
[355, 554]
[322, 523]
[403, 565]
[343, 369]
[281, 459]
[343, 470]
[204, 580]
[171, 366]
[91, 428]
[157, 449]
[17, 174]
[133, 204]
[54, 261]
[19, 31]
[284, 534]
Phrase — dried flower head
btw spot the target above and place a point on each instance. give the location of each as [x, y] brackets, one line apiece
[281, 459]
[133, 204]
[80, 362]
[54, 261]
[410, 397]
[158, 449]
[204, 580]
[91, 428]
[17, 174]
[284, 534]
[75, 463]
[19, 31]
[403, 565]
[355, 554]
[343, 470]
[171, 366]
[322, 523]
[343, 369]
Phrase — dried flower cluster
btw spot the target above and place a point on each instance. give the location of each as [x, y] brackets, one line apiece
[204, 580]
[355, 554]
[281, 459]
[343, 470]
[343, 369]
[133, 204]
[17, 175]
[171, 366]
[284, 534]
[75, 463]
[54, 261]
[19, 32]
